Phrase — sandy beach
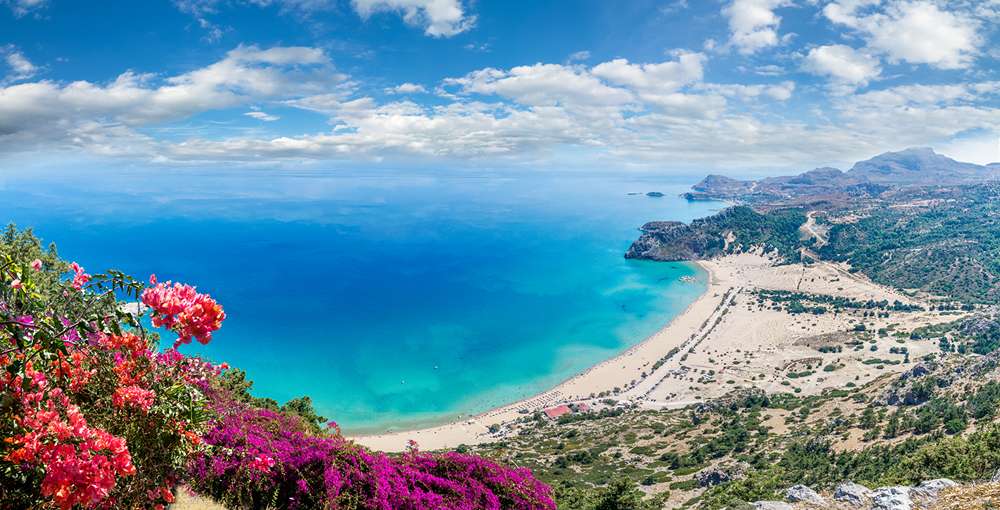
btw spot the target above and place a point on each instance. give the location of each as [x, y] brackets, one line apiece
[722, 341]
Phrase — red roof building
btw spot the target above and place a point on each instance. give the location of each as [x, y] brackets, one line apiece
[582, 407]
[555, 412]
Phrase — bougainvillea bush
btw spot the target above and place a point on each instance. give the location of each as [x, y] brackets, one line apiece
[262, 458]
[94, 415]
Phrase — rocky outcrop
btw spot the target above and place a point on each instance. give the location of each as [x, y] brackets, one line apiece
[772, 505]
[850, 495]
[853, 494]
[932, 488]
[892, 498]
[803, 494]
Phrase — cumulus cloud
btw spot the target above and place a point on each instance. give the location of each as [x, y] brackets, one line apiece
[618, 113]
[753, 25]
[663, 76]
[39, 111]
[406, 88]
[543, 85]
[843, 64]
[438, 18]
[913, 31]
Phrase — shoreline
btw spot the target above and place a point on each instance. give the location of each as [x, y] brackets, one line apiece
[623, 371]
[726, 339]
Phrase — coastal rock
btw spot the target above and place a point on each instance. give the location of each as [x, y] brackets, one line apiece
[853, 494]
[931, 488]
[772, 505]
[654, 194]
[892, 498]
[803, 494]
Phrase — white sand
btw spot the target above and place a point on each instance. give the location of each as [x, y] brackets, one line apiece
[743, 345]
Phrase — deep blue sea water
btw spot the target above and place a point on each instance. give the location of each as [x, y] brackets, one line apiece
[392, 299]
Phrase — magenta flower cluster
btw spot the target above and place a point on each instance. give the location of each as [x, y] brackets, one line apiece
[261, 458]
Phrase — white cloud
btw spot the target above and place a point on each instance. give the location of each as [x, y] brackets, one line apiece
[780, 92]
[753, 25]
[843, 64]
[660, 84]
[406, 88]
[20, 67]
[39, 112]
[982, 149]
[23, 7]
[579, 55]
[913, 31]
[259, 115]
[923, 96]
[543, 85]
[611, 115]
[660, 77]
[438, 18]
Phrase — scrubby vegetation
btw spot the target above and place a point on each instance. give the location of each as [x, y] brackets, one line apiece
[94, 415]
[948, 244]
[936, 420]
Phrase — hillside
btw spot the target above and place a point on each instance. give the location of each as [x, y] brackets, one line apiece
[936, 420]
[936, 239]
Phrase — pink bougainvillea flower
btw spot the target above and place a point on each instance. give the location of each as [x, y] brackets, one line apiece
[133, 396]
[16, 284]
[36, 264]
[183, 310]
[80, 277]
[81, 463]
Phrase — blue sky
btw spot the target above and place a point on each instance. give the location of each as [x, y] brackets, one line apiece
[670, 85]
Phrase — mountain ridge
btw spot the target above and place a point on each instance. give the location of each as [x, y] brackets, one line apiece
[916, 166]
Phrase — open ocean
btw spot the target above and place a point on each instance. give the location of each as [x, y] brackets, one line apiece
[393, 299]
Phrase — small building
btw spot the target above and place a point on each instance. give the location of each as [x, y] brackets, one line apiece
[555, 412]
[582, 407]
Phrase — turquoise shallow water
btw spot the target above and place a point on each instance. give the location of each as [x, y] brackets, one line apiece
[392, 299]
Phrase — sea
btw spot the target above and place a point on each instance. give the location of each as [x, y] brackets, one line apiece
[394, 299]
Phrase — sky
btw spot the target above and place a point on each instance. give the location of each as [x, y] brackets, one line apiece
[727, 86]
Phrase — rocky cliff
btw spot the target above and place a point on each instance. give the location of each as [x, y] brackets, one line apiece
[734, 229]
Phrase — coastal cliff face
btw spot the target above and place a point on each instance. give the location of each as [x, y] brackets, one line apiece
[732, 230]
[671, 241]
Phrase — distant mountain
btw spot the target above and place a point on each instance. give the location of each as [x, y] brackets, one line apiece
[911, 167]
[920, 166]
